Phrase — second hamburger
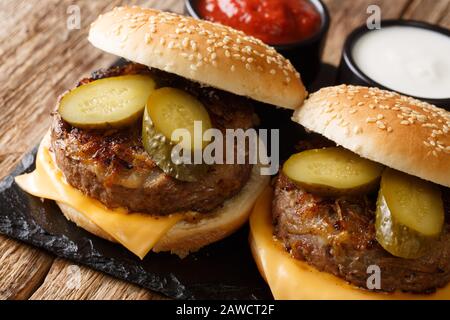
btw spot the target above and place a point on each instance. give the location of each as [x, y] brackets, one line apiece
[363, 211]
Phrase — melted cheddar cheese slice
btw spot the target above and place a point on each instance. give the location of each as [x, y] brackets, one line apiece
[136, 232]
[292, 279]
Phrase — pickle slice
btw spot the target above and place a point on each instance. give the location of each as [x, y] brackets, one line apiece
[410, 214]
[172, 109]
[159, 149]
[110, 102]
[333, 171]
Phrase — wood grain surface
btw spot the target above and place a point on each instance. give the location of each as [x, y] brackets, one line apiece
[40, 58]
[66, 280]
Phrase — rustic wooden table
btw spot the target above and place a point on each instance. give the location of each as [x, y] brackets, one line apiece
[40, 58]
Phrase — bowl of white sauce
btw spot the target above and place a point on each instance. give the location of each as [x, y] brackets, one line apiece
[409, 57]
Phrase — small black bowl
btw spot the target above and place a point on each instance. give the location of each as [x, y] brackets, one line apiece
[304, 55]
[350, 73]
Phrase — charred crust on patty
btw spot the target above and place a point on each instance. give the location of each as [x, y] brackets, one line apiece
[337, 235]
[113, 167]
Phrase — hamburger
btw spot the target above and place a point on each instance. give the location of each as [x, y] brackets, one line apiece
[362, 211]
[107, 159]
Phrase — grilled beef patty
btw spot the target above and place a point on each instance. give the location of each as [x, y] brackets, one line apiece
[337, 235]
[113, 167]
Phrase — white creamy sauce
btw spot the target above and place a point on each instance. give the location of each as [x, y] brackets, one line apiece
[410, 60]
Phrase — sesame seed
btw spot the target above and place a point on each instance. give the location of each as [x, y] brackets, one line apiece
[193, 45]
[357, 130]
[422, 118]
[380, 124]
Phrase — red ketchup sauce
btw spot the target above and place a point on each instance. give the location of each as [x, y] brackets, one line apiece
[272, 21]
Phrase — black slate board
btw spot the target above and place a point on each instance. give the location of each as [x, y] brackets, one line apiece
[224, 270]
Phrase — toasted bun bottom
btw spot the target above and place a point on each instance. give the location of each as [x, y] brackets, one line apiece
[186, 237]
[293, 279]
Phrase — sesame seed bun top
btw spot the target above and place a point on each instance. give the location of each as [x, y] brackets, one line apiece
[205, 52]
[398, 131]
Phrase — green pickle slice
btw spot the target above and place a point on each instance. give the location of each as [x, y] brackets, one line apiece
[333, 171]
[169, 109]
[172, 109]
[111, 102]
[409, 216]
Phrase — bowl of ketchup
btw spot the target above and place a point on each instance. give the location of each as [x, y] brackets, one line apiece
[295, 28]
